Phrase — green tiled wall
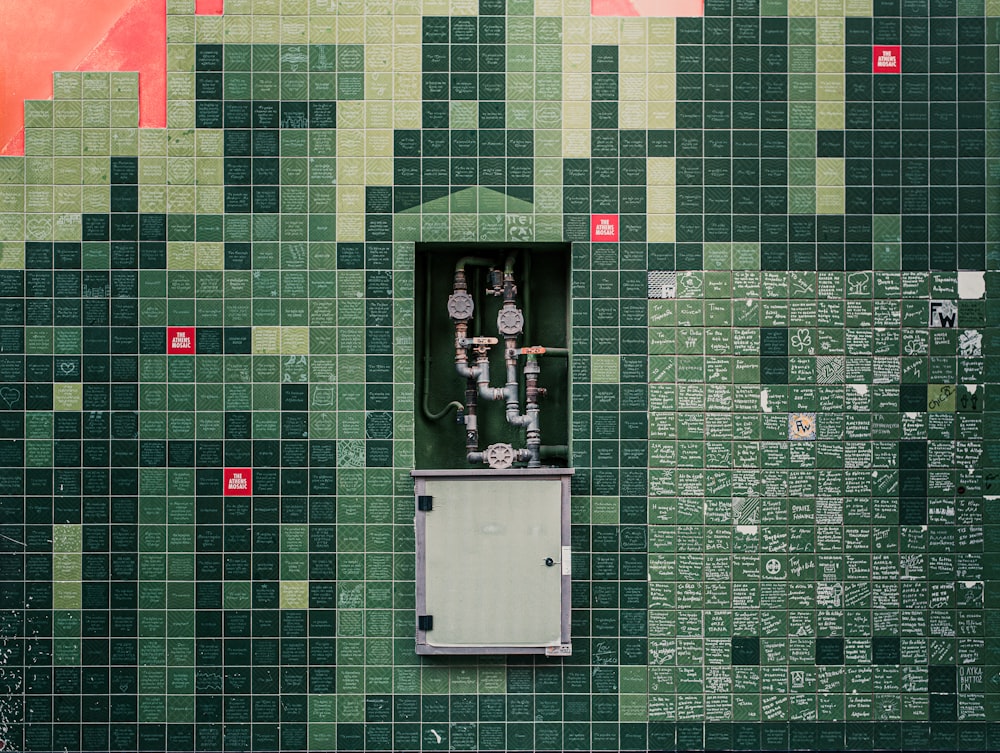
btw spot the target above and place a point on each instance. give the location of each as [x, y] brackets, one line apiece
[785, 522]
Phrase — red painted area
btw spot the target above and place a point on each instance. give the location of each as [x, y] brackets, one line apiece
[15, 145]
[648, 8]
[44, 36]
[180, 340]
[138, 42]
[887, 58]
[208, 7]
[603, 228]
[612, 8]
[237, 482]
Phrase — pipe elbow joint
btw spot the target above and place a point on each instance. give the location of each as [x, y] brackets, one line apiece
[489, 393]
[515, 419]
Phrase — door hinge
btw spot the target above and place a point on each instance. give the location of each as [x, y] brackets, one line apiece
[425, 502]
[425, 622]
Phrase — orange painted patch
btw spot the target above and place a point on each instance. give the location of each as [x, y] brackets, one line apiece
[39, 38]
[208, 7]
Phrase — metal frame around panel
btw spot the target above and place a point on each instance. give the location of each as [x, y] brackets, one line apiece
[560, 474]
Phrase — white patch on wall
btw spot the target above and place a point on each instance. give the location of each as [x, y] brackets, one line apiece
[662, 284]
[802, 426]
[764, 395]
[829, 595]
[970, 343]
[971, 284]
[943, 314]
[746, 512]
[830, 369]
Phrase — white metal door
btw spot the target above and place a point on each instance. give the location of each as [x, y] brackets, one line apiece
[493, 572]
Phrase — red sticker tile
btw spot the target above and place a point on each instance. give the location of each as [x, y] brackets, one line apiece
[603, 227]
[886, 58]
[208, 7]
[180, 340]
[237, 482]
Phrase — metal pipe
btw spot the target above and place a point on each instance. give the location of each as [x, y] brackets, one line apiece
[512, 387]
[425, 403]
[510, 323]
[478, 457]
[514, 417]
[482, 370]
[530, 419]
[533, 425]
[509, 392]
[471, 421]
[460, 309]
[470, 261]
[461, 353]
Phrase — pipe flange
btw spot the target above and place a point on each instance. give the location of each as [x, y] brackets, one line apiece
[500, 455]
[510, 321]
[460, 306]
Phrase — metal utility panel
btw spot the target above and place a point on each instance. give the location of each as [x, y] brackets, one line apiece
[493, 561]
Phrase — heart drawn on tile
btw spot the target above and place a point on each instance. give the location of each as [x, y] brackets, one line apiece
[67, 367]
[10, 396]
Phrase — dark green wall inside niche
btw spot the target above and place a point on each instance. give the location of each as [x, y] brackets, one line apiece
[541, 273]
